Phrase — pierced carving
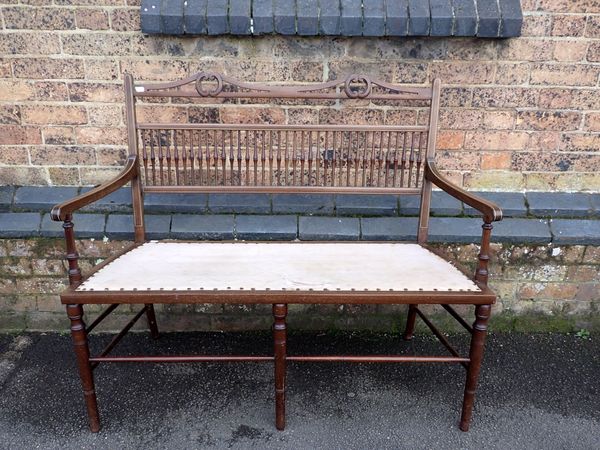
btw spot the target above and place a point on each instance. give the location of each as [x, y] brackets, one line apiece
[362, 90]
[207, 77]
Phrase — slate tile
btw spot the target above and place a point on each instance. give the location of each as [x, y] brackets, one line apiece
[120, 226]
[118, 201]
[465, 17]
[239, 203]
[418, 18]
[559, 204]
[150, 17]
[489, 18]
[285, 17]
[239, 17]
[262, 16]
[6, 197]
[194, 17]
[373, 18]
[351, 18]
[389, 228]
[19, 225]
[511, 18]
[216, 17]
[328, 228]
[441, 17]
[267, 228]
[42, 198]
[369, 205]
[521, 231]
[85, 225]
[191, 226]
[175, 203]
[322, 204]
[454, 229]
[575, 232]
[396, 18]
[511, 203]
[329, 20]
[172, 16]
[307, 15]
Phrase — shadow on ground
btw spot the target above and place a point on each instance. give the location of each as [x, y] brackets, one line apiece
[536, 391]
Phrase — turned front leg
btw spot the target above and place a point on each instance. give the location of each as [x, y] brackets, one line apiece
[482, 314]
[410, 322]
[279, 339]
[82, 353]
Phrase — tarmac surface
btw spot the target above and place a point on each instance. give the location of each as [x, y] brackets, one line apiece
[536, 391]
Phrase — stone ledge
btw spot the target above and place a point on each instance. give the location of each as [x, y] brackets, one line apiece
[481, 18]
[290, 227]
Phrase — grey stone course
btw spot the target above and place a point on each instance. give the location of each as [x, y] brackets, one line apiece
[328, 228]
[441, 17]
[19, 225]
[303, 204]
[262, 14]
[171, 15]
[120, 226]
[194, 17]
[389, 228]
[216, 17]
[191, 226]
[366, 205]
[465, 17]
[41, 198]
[239, 203]
[396, 23]
[85, 225]
[484, 18]
[512, 203]
[308, 17]
[118, 201]
[511, 17]
[521, 231]
[559, 204]
[373, 18]
[266, 228]
[6, 197]
[239, 17]
[489, 18]
[454, 229]
[442, 204]
[176, 203]
[575, 232]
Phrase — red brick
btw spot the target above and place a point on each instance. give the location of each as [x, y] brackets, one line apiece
[125, 19]
[104, 69]
[536, 25]
[101, 136]
[38, 18]
[504, 97]
[62, 155]
[58, 115]
[51, 91]
[460, 119]
[11, 91]
[155, 70]
[41, 43]
[88, 44]
[592, 28]
[10, 155]
[44, 68]
[569, 6]
[570, 51]
[96, 92]
[580, 142]
[91, 19]
[496, 140]
[10, 115]
[564, 74]
[163, 114]
[19, 135]
[450, 140]
[568, 25]
[525, 49]
[58, 135]
[495, 161]
[561, 98]
[593, 53]
[592, 122]
[512, 74]
[548, 120]
[23, 175]
[463, 72]
[105, 115]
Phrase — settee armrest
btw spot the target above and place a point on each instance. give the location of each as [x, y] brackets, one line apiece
[491, 212]
[60, 212]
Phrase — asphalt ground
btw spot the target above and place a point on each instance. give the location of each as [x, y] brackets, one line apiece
[537, 391]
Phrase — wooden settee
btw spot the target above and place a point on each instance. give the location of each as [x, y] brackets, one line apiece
[278, 158]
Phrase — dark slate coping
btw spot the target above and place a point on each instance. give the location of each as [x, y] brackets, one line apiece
[326, 228]
[559, 204]
[454, 229]
[303, 204]
[188, 226]
[512, 203]
[7, 194]
[119, 201]
[266, 228]
[239, 203]
[366, 205]
[175, 203]
[19, 225]
[442, 204]
[42, 198]
[120, 226]
[85, 225]
[483, 18]
[522, 231]
[389, 228]
[575, 232]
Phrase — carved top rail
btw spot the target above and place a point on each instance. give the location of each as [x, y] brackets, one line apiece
[216, 85]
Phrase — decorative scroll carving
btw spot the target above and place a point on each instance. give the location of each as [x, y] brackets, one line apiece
[213, 84]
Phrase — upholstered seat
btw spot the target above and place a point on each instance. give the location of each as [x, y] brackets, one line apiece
[279, 266]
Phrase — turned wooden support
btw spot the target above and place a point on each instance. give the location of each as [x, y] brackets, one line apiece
[82, 353]
[279, 340]
[481, 274]
[410, 322]
[482, 314]
[72, 255]
[151, 316]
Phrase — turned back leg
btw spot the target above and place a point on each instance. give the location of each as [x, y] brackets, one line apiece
[280, 341]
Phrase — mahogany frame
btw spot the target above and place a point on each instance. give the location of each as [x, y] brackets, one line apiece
[214, 85]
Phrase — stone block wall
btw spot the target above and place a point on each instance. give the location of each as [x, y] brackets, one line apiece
[540, 287]
[517, 114]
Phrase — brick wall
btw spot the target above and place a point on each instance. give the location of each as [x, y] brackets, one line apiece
[538, 286]
[517, 114]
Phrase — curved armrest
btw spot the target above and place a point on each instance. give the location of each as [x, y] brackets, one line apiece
[60, 211]
[491, 212]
